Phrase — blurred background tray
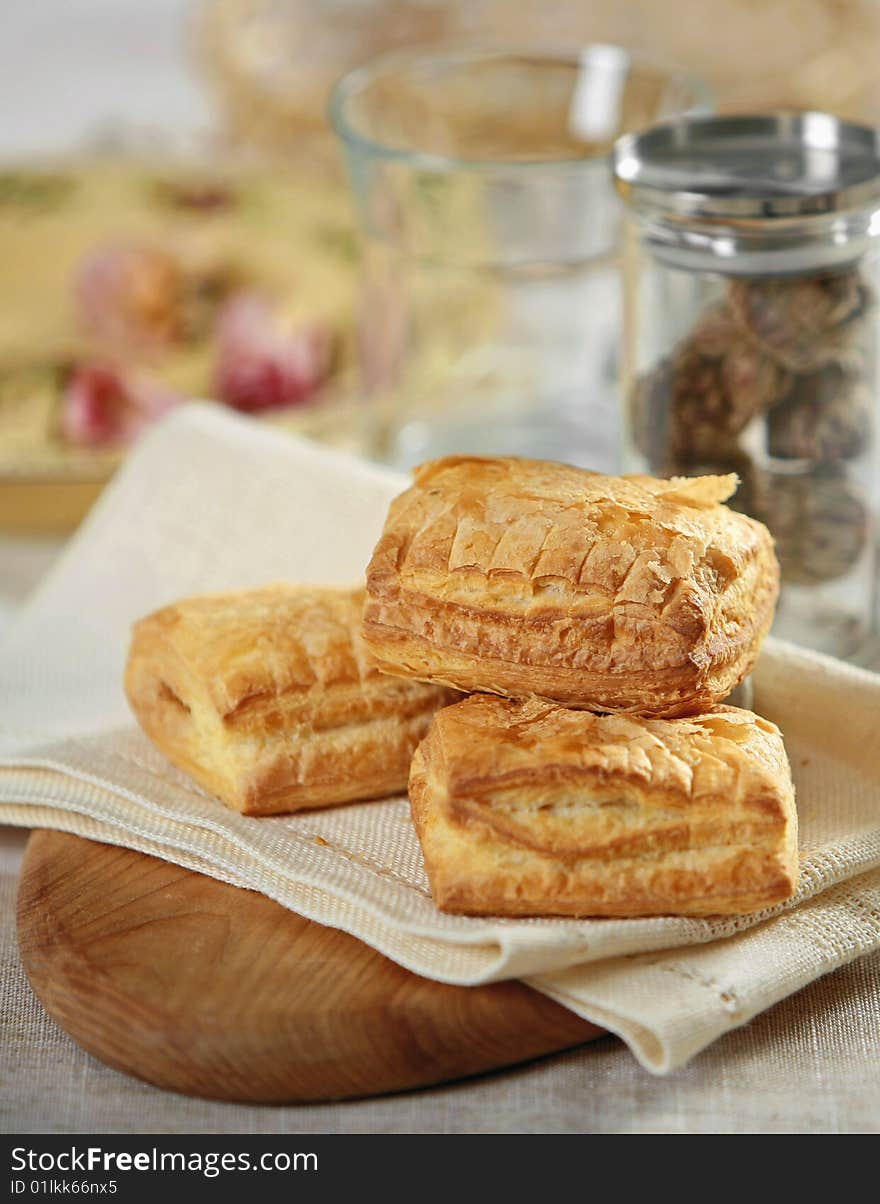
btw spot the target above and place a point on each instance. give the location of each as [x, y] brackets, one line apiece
[245, 83]
[281, 233]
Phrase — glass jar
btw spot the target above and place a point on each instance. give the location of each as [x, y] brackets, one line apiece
[750, 340]
[490, 310]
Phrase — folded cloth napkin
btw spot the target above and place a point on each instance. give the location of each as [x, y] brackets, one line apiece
[211, 502]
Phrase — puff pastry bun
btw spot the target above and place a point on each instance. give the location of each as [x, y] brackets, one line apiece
[526, 808]
[269, 699]
[524, 577]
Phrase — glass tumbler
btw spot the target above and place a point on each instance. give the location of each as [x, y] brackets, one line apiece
[490, 305]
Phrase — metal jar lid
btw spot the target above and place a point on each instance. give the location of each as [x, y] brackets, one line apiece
[782, 192]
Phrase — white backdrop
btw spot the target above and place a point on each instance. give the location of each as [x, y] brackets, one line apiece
[75, 69]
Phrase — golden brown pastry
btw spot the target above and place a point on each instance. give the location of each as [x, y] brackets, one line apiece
[524, 577]
[525, 808]
[270, 700]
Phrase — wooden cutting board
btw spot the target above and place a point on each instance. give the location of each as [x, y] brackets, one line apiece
[213, 991]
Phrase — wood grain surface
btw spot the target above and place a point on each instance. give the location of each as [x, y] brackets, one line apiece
[210, 990]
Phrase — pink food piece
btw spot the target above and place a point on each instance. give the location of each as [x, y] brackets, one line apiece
[103, 406]
[129, 294]
[265, 362]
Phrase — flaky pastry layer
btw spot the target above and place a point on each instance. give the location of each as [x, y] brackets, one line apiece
[526, 808]
[524, 577]
[271, 701]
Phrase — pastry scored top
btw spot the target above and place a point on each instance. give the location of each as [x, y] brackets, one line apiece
[530, 808]
[523, 577]
[240, 652]
[269, 698]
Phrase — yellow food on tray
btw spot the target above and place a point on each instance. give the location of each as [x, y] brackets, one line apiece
[268, 698]
[519, 577]
[526, 808]
[564, 592]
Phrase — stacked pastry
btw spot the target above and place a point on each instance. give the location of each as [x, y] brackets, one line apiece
[543, 653]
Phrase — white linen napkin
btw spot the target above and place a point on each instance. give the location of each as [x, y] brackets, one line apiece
[210, 501]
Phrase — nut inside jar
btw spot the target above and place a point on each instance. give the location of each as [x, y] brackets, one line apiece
[772, 381]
